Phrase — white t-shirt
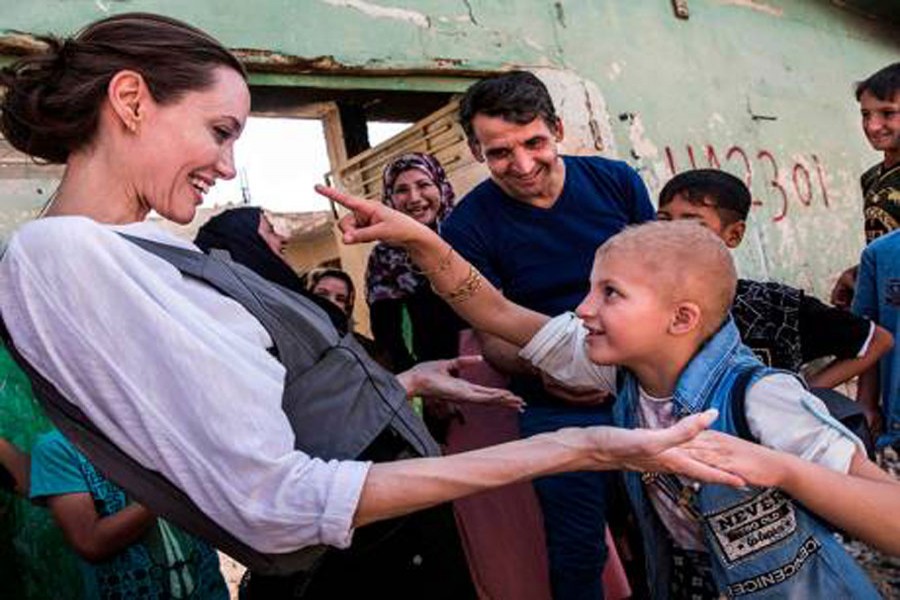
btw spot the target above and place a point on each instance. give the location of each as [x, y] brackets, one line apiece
[176, 374]
[780, 412]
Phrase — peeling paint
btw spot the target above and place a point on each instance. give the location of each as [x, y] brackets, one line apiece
[444, 63]
[383, 12]
[533, 44]
[560, 13]
[757, 5]
[640, 145]
[615, 69]
[582, 108]
[471, 11]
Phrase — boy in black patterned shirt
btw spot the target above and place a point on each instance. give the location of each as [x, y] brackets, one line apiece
[784, 326]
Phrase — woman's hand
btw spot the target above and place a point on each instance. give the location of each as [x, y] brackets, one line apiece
[661, 450]
[370, 221]
[440, 379]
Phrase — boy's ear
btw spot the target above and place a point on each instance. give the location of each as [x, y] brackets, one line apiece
[733, 234]
[686, 318]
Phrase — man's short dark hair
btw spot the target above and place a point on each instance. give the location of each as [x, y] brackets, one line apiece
[884, 84]
[518, 97]
[710, 187]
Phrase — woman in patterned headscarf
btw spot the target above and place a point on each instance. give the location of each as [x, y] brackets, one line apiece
[409, 322]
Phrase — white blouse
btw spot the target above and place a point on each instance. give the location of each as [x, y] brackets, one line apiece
[176, 374]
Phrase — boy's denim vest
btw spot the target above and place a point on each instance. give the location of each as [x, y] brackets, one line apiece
[761, 542]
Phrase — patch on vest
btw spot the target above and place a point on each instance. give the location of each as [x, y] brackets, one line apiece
[754, 525]
[778, 575]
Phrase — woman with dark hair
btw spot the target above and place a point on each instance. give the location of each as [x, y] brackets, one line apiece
[249, 238]
[334, 285]
[186, 375]
[399, 296]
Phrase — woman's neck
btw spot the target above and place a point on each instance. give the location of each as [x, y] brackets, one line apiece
[89, 188]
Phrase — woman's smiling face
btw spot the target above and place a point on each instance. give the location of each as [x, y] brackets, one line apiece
[187, 145]
[416, 194]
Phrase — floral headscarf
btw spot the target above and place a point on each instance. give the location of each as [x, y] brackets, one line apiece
[390, 273]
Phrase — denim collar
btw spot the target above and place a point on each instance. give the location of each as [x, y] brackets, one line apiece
[699, 378]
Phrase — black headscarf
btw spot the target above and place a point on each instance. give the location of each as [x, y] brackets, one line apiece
[237, 232]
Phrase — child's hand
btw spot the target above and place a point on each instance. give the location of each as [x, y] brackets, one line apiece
[844, 288]
[873, 418]
[756, 464]
[370, 221]
[662, 450]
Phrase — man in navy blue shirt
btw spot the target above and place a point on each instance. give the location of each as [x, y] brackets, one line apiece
[532, 230]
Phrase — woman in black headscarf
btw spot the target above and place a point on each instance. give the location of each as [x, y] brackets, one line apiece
[248, 236]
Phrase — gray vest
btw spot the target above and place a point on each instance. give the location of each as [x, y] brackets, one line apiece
[336, 398]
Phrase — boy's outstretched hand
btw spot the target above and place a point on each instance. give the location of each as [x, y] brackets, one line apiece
[665, 450]
[757, 465]
[370, 221]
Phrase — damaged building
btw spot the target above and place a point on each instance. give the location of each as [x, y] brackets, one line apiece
[760, 88]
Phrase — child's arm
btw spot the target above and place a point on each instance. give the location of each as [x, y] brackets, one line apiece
[866, 304]
[93, 537]
[478, 302]
[862, 503]
[868, 395]
[840, 370]
[17, 463]
[843, 290]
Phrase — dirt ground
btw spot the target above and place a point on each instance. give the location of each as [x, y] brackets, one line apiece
[884, 570]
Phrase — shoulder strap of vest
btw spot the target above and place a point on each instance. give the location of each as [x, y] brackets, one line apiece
[147, 486]
[232, 279]
[739, 402]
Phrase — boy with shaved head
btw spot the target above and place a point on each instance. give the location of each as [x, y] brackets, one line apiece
[658, 307]
[783, 325]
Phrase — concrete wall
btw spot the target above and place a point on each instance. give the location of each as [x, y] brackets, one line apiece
[760, 87]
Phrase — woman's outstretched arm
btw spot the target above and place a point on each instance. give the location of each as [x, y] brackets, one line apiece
[397, 488]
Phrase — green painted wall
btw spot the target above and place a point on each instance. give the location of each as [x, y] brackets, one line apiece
[769, 81]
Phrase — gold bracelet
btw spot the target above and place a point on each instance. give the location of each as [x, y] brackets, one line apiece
[443, 265]
[470, 285]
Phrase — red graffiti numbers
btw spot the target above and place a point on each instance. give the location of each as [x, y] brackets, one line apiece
[804, 182]
[821, 173]
[775, 183]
